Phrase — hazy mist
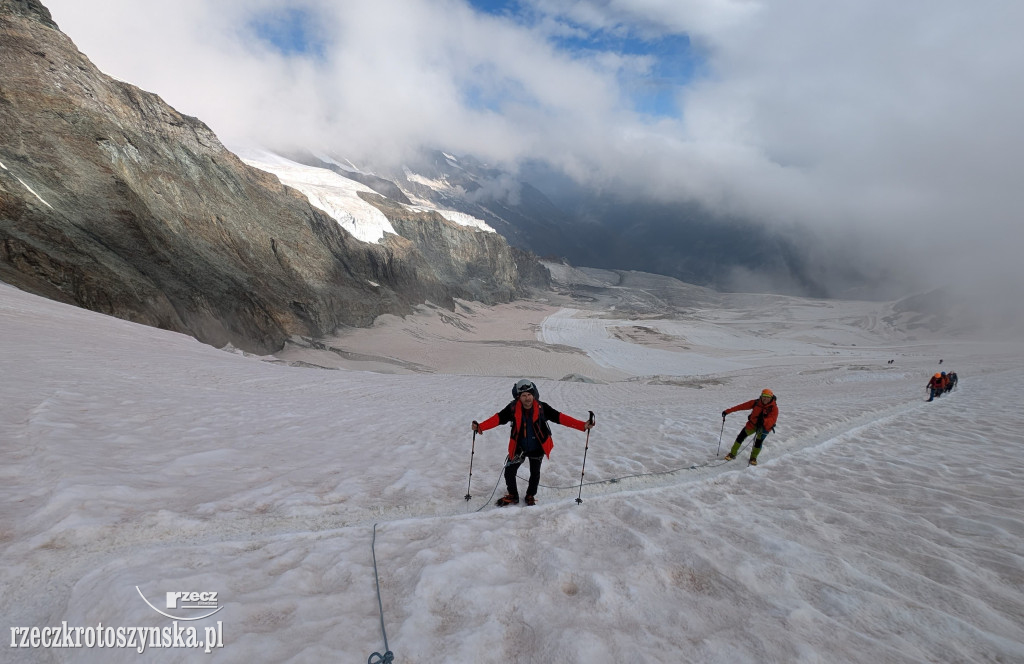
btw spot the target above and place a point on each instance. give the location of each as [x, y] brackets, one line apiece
[890, 129]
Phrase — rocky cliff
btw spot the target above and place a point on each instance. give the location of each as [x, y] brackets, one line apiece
[478, 265]
[112, 200]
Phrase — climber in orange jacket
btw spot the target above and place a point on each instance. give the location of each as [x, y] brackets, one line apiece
[764, 411]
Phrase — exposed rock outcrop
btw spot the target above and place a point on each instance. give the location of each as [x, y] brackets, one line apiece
[112, 200]
[476, 264]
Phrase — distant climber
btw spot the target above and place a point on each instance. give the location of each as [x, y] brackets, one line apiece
[764, 411]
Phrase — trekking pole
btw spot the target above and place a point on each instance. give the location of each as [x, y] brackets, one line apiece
[586, 446]
[720, 433]
[472, 451]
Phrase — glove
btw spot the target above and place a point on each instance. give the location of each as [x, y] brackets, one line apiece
[476, 427]
[591, 421]
[724, 413]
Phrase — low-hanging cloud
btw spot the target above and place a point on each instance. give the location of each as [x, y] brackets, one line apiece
[899, 120]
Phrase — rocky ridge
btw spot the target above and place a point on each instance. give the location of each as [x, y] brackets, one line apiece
[112, 200]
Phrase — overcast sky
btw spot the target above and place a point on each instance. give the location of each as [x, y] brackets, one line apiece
[902, 120]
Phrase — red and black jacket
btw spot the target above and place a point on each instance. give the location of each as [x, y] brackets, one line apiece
[542, 414]
[761, 416]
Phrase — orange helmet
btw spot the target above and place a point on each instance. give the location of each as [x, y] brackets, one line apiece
[938, 375]
[767, 393]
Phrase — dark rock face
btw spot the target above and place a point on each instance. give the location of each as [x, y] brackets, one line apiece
[476, 264]
[113, 201]
[32, 9]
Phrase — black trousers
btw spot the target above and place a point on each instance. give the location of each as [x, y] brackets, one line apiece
[513, 467]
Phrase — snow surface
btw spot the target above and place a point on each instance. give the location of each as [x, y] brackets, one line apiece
[460, 218]
[877, 528]
[336, 195]
[434, 183]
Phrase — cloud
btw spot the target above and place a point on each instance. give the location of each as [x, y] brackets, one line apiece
[899, 120]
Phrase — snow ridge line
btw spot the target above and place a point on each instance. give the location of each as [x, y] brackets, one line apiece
[667, 478]
[847, 427]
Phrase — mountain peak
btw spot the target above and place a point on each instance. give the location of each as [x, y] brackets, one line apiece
[30, 8]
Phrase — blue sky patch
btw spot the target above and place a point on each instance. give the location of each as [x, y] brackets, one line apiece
[290, 31]
[675, 62]
[496, 7]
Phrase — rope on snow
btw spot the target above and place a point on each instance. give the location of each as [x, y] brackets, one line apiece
[487, 502]
[710, 463]
[388, 657]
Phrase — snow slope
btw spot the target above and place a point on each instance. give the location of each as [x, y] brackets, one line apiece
[878, 527]
[338, 196]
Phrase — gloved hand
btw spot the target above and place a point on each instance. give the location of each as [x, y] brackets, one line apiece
[591, 422]
[724, 413]
[476, 427]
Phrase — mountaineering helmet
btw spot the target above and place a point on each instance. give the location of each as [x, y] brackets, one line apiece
[767, 393]
[525, 386]
[943, 373]
[938, 375]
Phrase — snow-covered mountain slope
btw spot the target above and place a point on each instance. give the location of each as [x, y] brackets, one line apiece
[327, 191]
[338, 196]
[112, 200]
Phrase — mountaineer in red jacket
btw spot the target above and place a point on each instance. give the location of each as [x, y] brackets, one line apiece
[763, 413]
[530, 437]
[936, 385]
